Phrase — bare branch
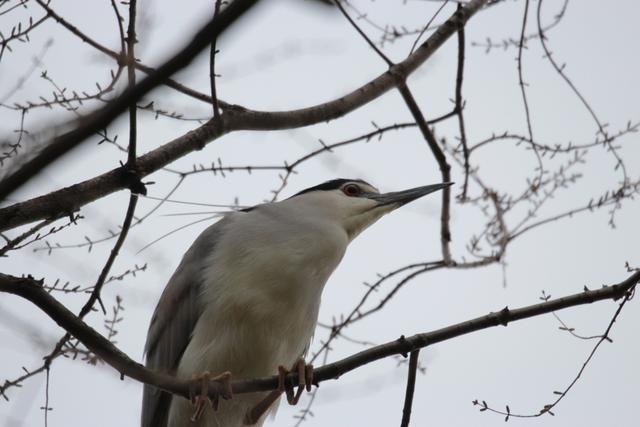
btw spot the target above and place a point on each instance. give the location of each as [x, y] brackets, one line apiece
[212, 64]
[411, 385]
[71, 198]
[32, 290]
[459, 110]
[362, 33]
[121, 58]
[445, 169]
[100, 118]
[546, 409]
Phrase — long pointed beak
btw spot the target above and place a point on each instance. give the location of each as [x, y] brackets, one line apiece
[400, 198]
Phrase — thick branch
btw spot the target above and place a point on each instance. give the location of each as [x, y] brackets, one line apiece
[69, 199]
[33, 291]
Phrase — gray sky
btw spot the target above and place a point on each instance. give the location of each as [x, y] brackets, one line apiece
[285, 55]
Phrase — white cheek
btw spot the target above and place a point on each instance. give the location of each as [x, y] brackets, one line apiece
[358, 223]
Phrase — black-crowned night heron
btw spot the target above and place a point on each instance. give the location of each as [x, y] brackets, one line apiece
[245, 297]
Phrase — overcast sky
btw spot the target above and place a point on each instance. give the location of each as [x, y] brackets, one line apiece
[287, 54]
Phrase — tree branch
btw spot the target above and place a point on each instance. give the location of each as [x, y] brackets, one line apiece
[411, 386]
[69, 199]
[262, 120]
[33, 291]
[371, 44]
[122, 59]
[102, 117]
[133, 198]
[459, 107]
[445, 169]
[212, 64]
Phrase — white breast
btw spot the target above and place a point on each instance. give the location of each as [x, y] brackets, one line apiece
[262, 295]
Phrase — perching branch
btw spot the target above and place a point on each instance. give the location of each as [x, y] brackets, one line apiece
[33, 291]
[506, 210]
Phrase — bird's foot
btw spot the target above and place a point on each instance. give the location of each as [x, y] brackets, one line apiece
[305, 381]
[201, 399]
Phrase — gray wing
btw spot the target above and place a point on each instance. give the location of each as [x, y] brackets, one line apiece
[173, 322]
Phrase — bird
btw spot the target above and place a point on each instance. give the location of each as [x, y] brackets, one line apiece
[245, 297]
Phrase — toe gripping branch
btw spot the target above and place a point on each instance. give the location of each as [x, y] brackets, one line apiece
[201, 400]
[305, 381]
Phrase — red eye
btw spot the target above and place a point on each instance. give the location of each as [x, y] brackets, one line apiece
[351, 190]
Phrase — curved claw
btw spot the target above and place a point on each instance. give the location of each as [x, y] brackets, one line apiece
[308, 376]
[200, 400]
[305, 381]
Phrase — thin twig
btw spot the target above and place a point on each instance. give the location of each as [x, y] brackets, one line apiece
[520, 71]
[212, 64]
[523, 92]
[131, 74]
[424, 29]
[17, 240]
[459, 106]
[362, 33]
[546, 409]
[46, 407]
[445, 169]
[411, 385]
[560, 70]
[122, 59]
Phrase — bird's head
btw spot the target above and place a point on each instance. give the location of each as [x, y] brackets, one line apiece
[354, 204]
